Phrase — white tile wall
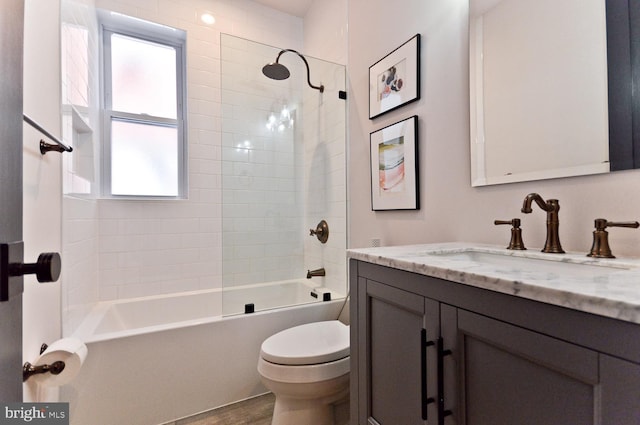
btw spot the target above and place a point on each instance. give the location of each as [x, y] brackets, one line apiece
[325, 177]
[262, 179]
[149, 247]
[79, 64]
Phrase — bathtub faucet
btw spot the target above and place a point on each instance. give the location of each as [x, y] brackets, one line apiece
[315, 273]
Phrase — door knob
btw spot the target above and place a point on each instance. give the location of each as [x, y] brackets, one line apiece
[47, 268]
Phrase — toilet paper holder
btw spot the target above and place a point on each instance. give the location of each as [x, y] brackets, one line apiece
[54, 368]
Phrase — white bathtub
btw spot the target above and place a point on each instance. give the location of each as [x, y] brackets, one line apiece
[156, 359]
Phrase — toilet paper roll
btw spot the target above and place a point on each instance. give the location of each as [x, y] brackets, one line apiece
[71, 351]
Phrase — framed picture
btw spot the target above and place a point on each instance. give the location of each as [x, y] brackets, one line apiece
[395, 79]
[394, 167]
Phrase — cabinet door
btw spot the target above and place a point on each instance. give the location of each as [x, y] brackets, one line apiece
[620, 391]
[510, 375]
[391, 386]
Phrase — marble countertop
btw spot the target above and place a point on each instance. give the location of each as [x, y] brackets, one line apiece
[607, 287]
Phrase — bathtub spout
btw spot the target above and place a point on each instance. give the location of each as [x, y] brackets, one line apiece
[315, 273]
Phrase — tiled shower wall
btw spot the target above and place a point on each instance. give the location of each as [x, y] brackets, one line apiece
[79, 62]
[261, 167]
[325, 173]
[279, 184]
[122, 249]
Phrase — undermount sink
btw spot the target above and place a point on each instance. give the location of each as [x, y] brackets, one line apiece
[557, 264]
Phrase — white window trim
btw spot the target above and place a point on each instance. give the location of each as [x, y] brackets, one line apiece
[115, 23]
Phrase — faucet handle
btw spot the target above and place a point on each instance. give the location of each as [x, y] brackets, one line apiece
[600, 247]
[516, 233]
[602, 223]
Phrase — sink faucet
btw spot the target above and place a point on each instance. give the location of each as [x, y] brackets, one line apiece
[551, 206]
[315, 273]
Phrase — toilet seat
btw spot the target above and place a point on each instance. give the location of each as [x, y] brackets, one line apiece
[304, 374]
[310, 344]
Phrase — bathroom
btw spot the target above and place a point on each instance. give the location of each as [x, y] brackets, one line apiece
[451, 209]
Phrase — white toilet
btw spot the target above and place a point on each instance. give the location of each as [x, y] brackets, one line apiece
[307, 369]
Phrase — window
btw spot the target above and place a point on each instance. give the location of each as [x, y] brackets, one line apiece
[144, 144]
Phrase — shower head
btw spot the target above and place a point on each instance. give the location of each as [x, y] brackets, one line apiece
[277, 71]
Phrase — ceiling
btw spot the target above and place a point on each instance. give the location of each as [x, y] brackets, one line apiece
[293, 7]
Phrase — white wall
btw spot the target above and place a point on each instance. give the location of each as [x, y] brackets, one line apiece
[41, 180]
[451, 209]
[325, 30]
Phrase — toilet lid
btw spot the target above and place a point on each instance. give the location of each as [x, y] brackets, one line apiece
[313, 343]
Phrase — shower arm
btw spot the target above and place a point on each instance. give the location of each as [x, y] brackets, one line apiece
[320, 87]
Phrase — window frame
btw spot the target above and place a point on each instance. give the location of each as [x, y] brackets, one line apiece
[115, 23]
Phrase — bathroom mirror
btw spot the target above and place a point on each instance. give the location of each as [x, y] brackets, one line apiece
[541, 86]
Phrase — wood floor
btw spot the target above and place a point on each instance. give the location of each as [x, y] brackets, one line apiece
[255, 411]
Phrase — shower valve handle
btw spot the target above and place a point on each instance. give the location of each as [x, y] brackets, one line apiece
[321, 231]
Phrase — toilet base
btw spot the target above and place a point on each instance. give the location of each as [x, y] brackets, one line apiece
[310, 404]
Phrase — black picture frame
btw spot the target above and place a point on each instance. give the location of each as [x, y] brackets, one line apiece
[394, 80]
[394, 166]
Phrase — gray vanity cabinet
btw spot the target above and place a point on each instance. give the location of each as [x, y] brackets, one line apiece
[393, 355]
[511, 375]
[429, 351]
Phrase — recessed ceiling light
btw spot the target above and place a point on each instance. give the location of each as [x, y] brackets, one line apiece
[208, 18]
